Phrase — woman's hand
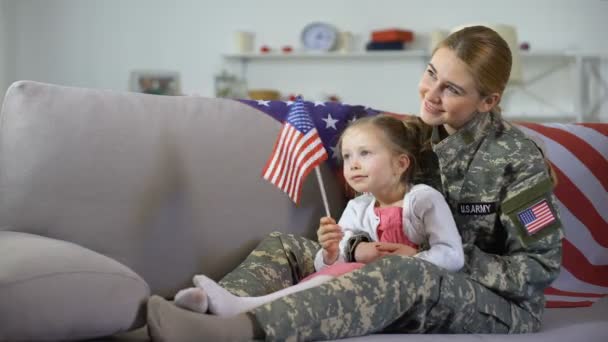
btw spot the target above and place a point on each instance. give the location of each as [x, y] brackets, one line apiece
[367, 252]
[387, 248]
[329, 235]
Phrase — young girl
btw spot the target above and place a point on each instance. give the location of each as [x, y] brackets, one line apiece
[381, 156]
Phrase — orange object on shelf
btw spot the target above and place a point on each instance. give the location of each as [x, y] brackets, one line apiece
[392, 35]
[264, 94]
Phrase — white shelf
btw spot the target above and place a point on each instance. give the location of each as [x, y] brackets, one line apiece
[391, 55]
[585, 68]
[328, 55]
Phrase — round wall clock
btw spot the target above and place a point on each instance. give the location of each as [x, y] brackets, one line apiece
[320, 37]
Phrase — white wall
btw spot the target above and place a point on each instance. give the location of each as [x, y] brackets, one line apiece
[97, 43]
[3, 52]
[6, 39]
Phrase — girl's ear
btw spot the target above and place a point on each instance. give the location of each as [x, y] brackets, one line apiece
[403, 162]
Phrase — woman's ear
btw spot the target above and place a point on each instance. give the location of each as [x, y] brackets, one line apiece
[488, 102]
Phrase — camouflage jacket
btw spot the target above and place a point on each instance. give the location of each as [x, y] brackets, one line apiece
[491, 175]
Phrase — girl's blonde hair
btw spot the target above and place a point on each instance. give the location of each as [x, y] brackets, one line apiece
[487, 56]
[407, 135]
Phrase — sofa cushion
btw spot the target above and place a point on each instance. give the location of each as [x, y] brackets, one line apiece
[579, 156]
[56, 290]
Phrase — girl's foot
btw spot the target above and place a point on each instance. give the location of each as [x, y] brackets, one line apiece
[193, 299]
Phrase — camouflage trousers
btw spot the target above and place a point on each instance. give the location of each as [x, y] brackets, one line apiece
[391, 295]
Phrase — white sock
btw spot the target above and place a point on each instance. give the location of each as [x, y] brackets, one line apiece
[225, 304]
[220, 301]
[193, 299]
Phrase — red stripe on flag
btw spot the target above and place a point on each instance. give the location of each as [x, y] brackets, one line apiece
[593, 160]
[300, 155]
[285, 168]
[273, 156]
[304, 154]
[294, 151]
[560, 304]
[543, 215]
[580, 206]
[304, 157]
[313, 162]
[284, 157]
[536, 226]
[291, 167]
[577, 264]
[557, 292]
[602, 128]
[278, 154]
[305, 173]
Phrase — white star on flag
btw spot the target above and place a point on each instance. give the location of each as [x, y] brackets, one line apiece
[264, 103]
[319, 103]
[334, 152]
[330, 122]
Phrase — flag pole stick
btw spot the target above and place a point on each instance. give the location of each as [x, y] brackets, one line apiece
[323, 194]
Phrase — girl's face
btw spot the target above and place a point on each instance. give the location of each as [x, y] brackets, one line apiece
[448, 93]
[369, 164]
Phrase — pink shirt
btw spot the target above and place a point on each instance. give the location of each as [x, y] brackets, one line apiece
[427, 218]
[390, 229]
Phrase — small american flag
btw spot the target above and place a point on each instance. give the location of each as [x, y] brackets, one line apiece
[536, 217]
[297, 151]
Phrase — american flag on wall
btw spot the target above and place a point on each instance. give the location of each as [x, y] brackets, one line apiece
[579, 156]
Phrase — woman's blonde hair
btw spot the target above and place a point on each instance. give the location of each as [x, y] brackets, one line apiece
[489, 60]
[486, 54]
[406, 135]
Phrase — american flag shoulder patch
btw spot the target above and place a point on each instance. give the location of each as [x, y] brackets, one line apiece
[536, 217]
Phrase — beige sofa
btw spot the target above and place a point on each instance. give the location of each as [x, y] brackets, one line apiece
[107, 197]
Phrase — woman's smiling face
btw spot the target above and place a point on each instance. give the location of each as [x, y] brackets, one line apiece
[448, 93]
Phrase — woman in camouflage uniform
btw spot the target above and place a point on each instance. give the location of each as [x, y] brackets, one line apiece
[499, 189]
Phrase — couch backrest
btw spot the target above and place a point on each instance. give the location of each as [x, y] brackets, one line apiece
[169, 186]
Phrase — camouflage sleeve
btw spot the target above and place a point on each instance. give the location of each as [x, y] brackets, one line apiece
[532, 250]
[353, 242]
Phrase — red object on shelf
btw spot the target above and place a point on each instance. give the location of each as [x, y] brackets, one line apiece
[265, 49]
[392, 35]
[333, 98]
[287, 49]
